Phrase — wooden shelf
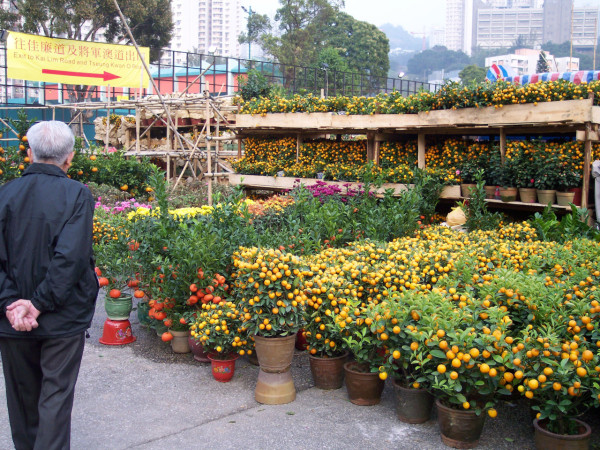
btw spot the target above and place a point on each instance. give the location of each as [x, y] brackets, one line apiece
[265, 182]
[565, 116]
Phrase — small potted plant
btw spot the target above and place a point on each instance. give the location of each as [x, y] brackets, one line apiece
[365, 375]
[546, 177]
[524, 167]
[465, 174]
[218, 327]
[267, 290]
[326, 354]
[461, 353]
[117, 275]
[507, 178]
[558, 367]
[413, 400]
[565, 181]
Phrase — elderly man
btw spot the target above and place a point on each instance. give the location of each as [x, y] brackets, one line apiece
[48, 289]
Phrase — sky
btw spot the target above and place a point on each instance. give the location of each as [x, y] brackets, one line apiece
[413, 15]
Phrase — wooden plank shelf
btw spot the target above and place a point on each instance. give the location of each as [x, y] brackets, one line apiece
[568, 115]
[271, 183]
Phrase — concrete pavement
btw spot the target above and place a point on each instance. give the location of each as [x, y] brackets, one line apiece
[142, 396]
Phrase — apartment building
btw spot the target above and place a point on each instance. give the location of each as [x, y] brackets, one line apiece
[203, 25]
[499, 23]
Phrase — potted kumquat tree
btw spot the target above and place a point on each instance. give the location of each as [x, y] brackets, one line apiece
[267, 284]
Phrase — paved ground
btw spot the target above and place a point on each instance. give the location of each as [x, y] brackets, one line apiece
[142, 396]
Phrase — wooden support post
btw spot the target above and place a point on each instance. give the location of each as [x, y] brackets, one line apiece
[370, 146]
[502, 144]
[298, 146]
[376, 156]
[217, 144]
[587, 163]
[168, 167]
[239, 142]
[169, 131]
[421, 151]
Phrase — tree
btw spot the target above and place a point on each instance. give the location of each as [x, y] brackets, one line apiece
[436, 58]
[257, 25]
[542, 64]
[362, 44]
[472, 73]
[301, 24]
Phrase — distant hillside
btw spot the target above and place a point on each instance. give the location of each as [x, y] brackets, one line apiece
[403, 46]
[400, 38]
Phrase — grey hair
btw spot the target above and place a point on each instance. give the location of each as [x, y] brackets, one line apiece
[51, 141]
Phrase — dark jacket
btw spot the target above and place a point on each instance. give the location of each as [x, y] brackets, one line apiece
[46, 256]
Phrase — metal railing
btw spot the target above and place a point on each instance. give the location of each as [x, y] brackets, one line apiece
[176, 70]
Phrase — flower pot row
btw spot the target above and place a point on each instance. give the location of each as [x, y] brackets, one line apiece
[528, 195]
[459, 428]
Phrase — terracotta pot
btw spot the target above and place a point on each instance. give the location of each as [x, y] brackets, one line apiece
[275, 385]
[564, 198]
[577, 198]
[275, 354]
[546, 196]
[222, 369]
[466, 189]
[546, 440]
[412, 405]
[118, 308]
[508, 194]
[364, 388]
[459, 428]
[490, 191]
[179, 343]
[328, 373]
[198, 350]
[528, 195]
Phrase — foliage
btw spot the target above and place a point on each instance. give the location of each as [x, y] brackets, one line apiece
[301, 24]
[219, 329]
[267, 286]
[571, 226]
[254, 85]
[362, 45]
[476, 212]
[437, 58]
[450, 96]
[542, 64]
[472, 73]
[256, 25]
[113, 169]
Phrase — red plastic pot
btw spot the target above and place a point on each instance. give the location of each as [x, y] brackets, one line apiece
[222, 369]
[117, 332]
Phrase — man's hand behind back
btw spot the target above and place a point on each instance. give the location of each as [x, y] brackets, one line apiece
[22, 315]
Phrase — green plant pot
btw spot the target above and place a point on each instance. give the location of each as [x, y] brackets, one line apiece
[142, 313]
[118, 308]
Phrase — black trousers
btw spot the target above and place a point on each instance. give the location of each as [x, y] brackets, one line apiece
[40, 377]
